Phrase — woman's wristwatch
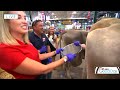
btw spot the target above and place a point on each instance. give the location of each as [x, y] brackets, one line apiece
[65, 58]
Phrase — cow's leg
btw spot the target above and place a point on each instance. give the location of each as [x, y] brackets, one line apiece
[84, 72]
[67, 71]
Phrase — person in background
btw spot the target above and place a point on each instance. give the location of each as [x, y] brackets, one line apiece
[17, 55]
[52, 36]
[57, 33]
[53, 39]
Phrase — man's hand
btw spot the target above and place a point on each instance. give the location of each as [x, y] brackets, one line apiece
[43, 49]
[83, 46]
[77, 43]
[59, 50]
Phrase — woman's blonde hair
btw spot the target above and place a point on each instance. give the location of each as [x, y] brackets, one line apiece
[5, 36]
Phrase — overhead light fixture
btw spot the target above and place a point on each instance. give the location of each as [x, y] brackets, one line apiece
[74, 12]
[53, 14]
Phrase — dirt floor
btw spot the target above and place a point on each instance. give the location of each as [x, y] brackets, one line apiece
[75, 72]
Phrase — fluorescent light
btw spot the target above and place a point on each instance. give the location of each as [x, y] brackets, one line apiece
[53, 14]
[74, 12]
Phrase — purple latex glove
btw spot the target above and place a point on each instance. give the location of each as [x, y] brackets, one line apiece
[49, 60]
[43, 49]
[59, 50]
[77, 43]
[70, 56]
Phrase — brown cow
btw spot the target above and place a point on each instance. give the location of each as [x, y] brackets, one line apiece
[102, 47]
[69, 37]
[104, 22]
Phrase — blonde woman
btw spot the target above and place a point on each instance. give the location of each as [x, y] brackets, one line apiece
[17, 55]
[52, 36]
[53, 40]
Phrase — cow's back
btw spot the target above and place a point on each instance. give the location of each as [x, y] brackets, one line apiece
[104, 22]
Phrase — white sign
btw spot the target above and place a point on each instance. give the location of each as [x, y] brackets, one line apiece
[10, 16]
[107, 70]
